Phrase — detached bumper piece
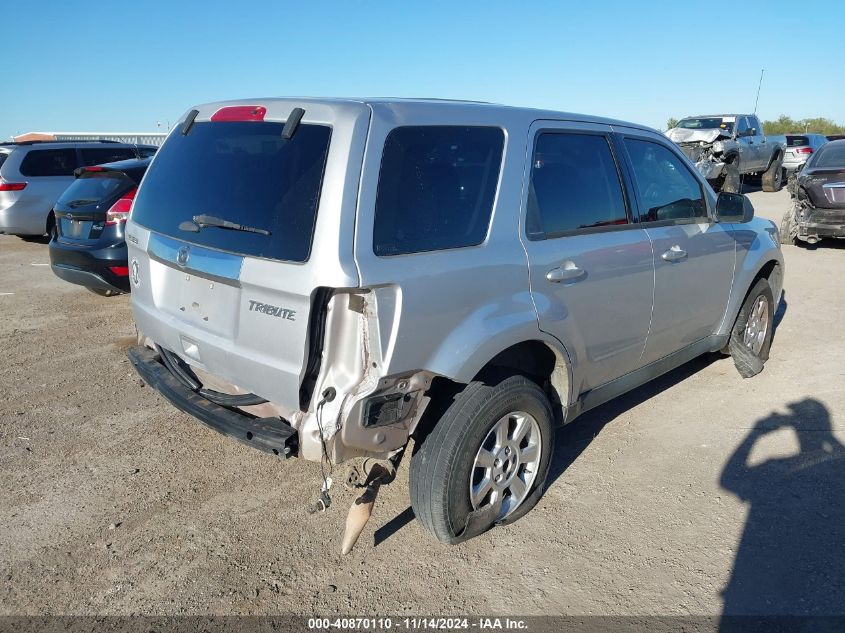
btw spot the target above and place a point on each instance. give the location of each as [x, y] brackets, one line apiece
[271, 435]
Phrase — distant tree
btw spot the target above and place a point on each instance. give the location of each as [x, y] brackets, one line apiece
[671, 122]
[818, 125]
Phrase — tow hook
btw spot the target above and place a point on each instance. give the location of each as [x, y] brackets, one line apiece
[379, 472]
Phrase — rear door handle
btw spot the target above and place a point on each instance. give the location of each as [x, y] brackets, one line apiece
[674, 254]
[567, 272]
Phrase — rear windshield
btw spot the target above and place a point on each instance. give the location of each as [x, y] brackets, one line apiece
[243, 172]
[797, 141]
[831, 155]
[93, 187]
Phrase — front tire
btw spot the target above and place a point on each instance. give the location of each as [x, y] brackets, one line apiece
[751, 336]
[772, 178]
[731, 181]
[486, 459]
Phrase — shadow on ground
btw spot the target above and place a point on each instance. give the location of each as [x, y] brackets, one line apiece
[791, 557]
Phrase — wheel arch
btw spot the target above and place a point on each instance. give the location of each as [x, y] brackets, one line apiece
[769, 268]
[539, 358]
[778, 155]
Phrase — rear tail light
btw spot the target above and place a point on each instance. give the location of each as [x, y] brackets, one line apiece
[119, 211]
[120, 271]
[804, 150]
[11, 186]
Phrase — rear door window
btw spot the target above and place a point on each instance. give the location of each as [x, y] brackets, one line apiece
[49, 162]
[574, 186]
[666, 189]
[436, 188]
[101, 155]
[243, 172]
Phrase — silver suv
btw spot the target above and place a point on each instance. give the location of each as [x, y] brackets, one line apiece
[329, 278]
[33, 175]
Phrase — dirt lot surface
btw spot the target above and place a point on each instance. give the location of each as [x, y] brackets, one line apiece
[113, 502]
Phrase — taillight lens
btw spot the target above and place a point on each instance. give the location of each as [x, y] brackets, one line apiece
[240, 113]
[119, 211]
[120, 271]
[804, 150]
[11, 186]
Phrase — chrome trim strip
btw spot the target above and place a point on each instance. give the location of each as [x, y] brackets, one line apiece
[834, 185]
[187, 257]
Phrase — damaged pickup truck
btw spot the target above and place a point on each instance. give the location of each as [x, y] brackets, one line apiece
[337, 280]
[727, 147]
[818, 197]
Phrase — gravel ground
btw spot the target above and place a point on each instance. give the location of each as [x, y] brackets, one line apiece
[113, 502]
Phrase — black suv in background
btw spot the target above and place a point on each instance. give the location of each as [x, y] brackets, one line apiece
[88, 247]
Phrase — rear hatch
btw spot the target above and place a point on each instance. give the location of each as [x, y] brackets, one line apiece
[82, 211]
[797, 148]
[235, 301]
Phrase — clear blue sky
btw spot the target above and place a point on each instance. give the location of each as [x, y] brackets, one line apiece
[87, 66]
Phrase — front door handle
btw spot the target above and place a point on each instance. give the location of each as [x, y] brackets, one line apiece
[566, 272]
[674, 254]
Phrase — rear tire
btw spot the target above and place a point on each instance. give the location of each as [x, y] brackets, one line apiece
[52, 232]
[751, 336]
[446, 467]
[772, 178]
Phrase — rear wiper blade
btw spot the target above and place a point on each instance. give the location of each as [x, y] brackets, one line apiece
[202, 221]
[78, 203]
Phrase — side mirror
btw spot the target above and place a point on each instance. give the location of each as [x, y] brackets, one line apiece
[733, 207]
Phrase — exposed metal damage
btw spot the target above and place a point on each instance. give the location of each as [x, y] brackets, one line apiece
[705, 148]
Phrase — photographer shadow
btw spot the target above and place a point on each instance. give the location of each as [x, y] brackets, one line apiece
[791, 556]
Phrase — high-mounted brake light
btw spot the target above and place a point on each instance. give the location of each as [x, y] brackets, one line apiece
[93, 168]
[11, 186]
[119, 211]
[240, 113]
[804, 150]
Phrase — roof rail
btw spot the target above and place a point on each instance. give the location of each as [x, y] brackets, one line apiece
[76, 142]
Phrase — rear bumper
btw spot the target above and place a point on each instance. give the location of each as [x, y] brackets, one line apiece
[809, 229]
[89, 267]
[822, 223]
[793, 165]
[271, 435]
